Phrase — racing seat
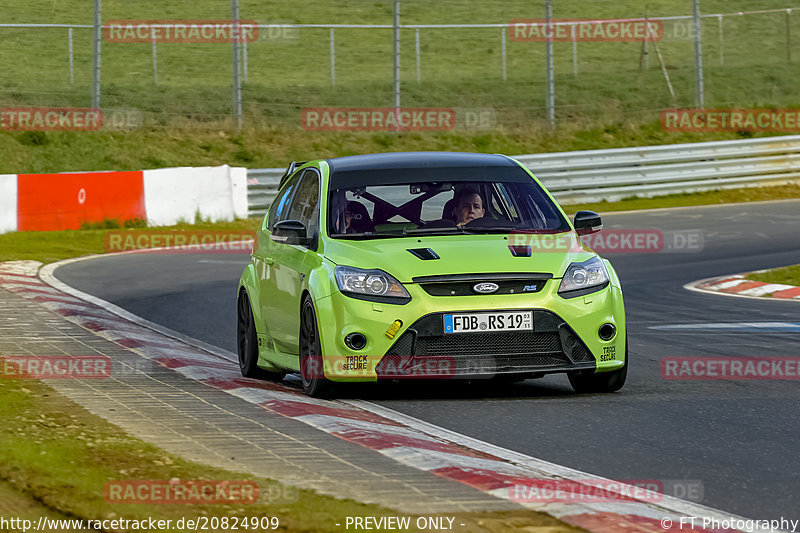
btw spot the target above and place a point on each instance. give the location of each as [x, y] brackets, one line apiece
[448, 212]
[360, 222]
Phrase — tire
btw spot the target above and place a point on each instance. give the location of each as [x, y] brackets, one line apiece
[311, 363]
[247, 343]
[601, 382]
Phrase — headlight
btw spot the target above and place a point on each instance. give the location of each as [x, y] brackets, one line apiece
[374, 285]
[584, 278]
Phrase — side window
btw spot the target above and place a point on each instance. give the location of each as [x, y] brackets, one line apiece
[305, 204]
[281, 203]
[504, 198]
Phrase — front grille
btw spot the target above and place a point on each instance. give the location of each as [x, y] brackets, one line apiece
[423, 350]
[508, 343]
[465, 288]
[463, 284]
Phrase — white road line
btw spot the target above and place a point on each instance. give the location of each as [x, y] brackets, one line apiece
[733, 326]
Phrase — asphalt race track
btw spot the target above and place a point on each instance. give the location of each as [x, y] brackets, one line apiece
[736, 440]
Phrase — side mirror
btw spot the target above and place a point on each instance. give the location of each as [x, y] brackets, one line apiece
[587, 222]
[290, 232]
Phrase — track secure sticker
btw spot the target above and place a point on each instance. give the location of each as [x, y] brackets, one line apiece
[609, 353]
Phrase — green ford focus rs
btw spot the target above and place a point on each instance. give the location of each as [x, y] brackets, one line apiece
[427, 265]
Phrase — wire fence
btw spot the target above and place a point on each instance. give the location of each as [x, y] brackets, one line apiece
[349, 66]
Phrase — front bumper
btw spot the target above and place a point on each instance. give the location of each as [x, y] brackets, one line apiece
[424, 350]
[564, 339]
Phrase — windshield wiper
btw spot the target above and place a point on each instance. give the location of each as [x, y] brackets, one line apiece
[461, 229]
[489, 229]
[364, 236]
[443, 229]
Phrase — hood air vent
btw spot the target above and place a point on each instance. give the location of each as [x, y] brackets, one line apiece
[520, 250]
[426, 254]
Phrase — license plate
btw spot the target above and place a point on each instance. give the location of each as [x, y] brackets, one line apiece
[486, 322]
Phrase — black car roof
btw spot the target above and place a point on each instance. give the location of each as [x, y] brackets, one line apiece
[417, 160]
[407, 167]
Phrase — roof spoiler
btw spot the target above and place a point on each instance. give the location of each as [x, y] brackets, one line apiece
[290, 170]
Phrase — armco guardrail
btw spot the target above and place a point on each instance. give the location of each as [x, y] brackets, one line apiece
[262, 185]
[595, 175]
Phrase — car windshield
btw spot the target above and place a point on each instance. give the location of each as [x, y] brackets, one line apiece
[446, 207]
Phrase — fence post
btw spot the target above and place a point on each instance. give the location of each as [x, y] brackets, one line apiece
[97, 29]
[71, 70]
[574, 51]
[244, 59]
[503, 48]
[396, 54]
[333, 60]
[237, 85]
[417, 47]
[551, 91]
[788, 36]
[644, 59]
[155, 60]
[698, 54]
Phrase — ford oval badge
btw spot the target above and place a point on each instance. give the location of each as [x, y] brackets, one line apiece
[485, 288]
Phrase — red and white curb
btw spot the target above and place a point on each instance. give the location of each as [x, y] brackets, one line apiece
[737, 285]
[412, 442]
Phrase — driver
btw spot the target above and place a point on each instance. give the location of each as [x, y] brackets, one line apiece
[469, 206]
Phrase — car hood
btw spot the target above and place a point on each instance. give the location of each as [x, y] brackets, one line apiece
[461, 254]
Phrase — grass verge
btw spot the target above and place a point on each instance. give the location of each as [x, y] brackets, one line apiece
[56, 458]
[789, 275]
[52, 246]
[275, 147]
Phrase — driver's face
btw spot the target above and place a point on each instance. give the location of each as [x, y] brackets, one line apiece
[469, 208]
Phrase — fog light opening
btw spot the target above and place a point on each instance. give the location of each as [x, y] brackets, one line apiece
[607, 332]
[355, 341]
